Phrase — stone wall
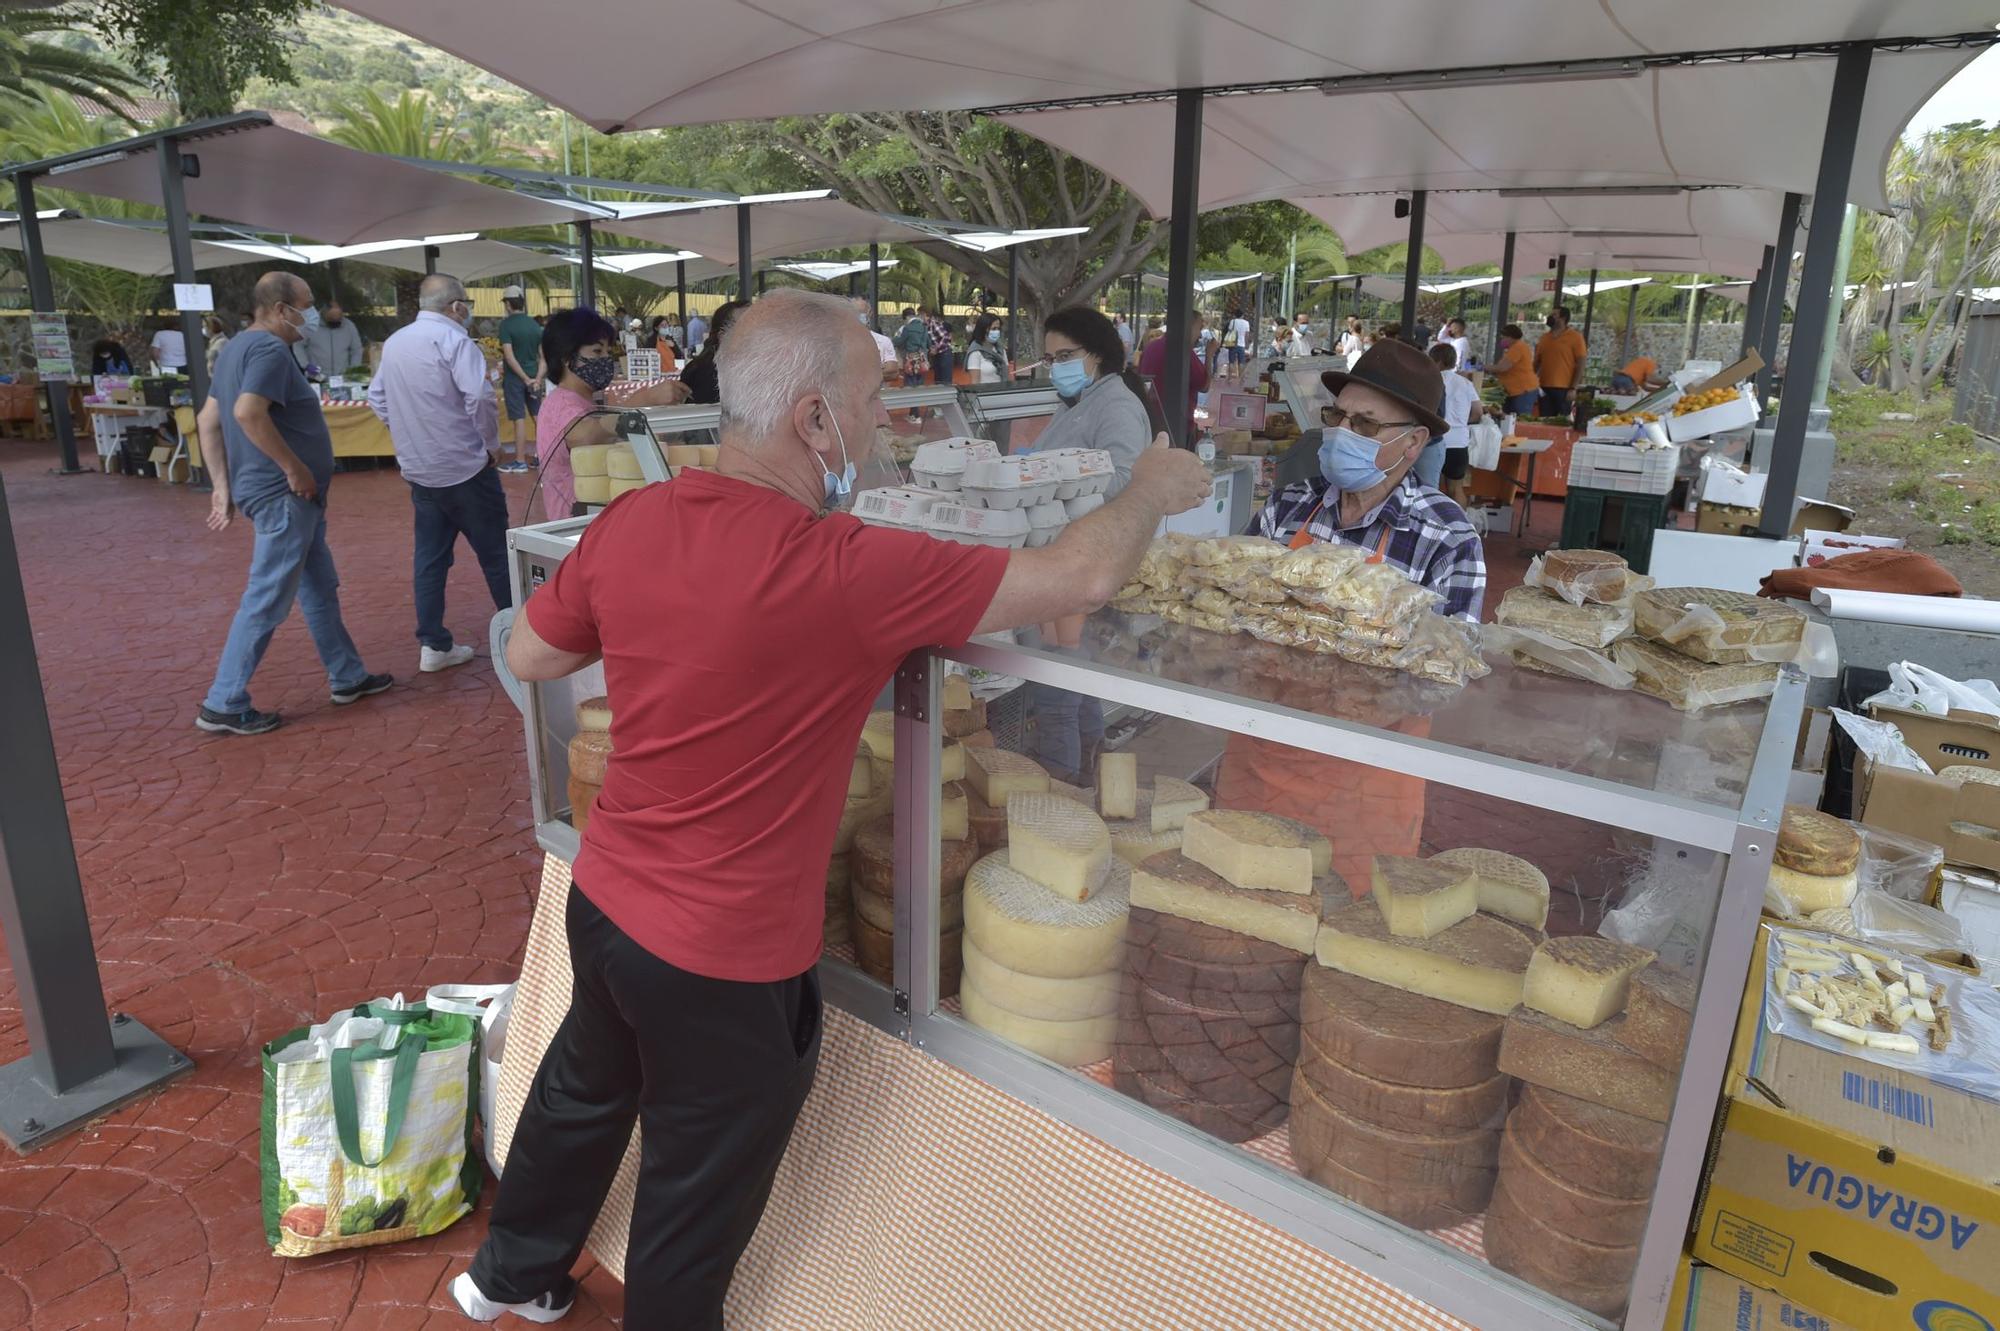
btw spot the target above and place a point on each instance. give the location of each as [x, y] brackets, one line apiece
[1663, 341]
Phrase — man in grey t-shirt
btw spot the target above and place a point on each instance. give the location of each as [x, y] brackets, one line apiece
[265, 441]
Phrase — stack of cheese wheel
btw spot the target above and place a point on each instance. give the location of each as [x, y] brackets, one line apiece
[589, 756]
[1221, 930]
[1398, 1100]
[872, 922]
[835, 930]
[621, 465]
[1575, 1186]
[1815, 865]
[593, 483]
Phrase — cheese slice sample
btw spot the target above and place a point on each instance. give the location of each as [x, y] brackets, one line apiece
[1022, 925]
[594, 714]
[1059, 843]
[1509, 886]
[996, 774]
[1135, 841]
[1421, 899]
[954, 817]
[861, 779]
[955, 692]
[1045, 997]
[1582, 980]
[1249, 851]
[1175, 885]
[1173, 801]
[1118, 785]
[1478, 963]
[1071, 1043]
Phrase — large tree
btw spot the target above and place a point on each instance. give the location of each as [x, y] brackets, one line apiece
[203, 52]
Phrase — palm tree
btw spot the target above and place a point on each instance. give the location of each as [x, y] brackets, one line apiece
[31, 68]
[412, 127]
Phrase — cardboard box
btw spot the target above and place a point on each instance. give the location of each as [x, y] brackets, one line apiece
[1736, 489]
[1706, 1299]
[1732, 375]
[1817, 544]
[1962, 819]
[1725, 519]
[1829, 1184]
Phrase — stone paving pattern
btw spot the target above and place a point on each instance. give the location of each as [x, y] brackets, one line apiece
[239, 887]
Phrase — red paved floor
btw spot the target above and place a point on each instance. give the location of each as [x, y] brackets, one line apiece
[240, 887]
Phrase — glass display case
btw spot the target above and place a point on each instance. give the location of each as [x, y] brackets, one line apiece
[1439, 979]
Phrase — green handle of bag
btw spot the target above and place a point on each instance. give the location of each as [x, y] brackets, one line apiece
[346, 1111]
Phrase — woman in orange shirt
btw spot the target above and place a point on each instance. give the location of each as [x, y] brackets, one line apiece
[1516, 372]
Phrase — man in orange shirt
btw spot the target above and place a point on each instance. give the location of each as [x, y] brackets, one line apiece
[1559, 359]
[1642, 375]
[1516, 372]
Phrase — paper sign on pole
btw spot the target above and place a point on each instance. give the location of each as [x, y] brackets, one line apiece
[198, 297]
[53, 357]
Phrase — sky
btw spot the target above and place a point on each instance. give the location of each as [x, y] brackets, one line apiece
[1973, 95]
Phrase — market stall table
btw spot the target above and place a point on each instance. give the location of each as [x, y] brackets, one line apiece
[1519, 446]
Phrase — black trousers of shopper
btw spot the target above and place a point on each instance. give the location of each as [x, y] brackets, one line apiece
[713, 1071]
[475, 508]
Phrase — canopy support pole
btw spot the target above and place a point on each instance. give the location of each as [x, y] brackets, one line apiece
[1562, 276]
[1333, 314]
[1589, 310]
[1631, 313]
[1816, 288]
[1257, 321]
[743, 251]
[80, 1063]
[430, 260]
[1138, 280]
[1753, 309]
[1693, 316]
[1837, 296]
[1774, 295]
[1013, 298]
[681, 295]
[1461, 303]
[586, 253]
[875, 287]
[1175, 381]
[42, 300]
[1503, 297]
[1413, 266]
[174, 169]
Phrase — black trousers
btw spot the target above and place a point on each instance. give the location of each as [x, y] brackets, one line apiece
[714, 1072]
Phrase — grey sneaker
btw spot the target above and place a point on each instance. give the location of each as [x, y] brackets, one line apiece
[355, 692]
[250, 722]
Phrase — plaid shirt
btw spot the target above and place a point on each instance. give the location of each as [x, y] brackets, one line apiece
[1428, 535]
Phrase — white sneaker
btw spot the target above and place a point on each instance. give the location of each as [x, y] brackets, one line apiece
[548, 1307]
[435, 660]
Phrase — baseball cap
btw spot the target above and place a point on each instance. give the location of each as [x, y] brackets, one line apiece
[512, 293]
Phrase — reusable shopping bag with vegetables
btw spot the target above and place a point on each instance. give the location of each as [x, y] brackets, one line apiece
[367, 1131]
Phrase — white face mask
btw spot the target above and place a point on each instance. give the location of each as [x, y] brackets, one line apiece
[838, 487]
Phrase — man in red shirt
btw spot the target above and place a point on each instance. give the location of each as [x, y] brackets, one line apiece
[746, 627]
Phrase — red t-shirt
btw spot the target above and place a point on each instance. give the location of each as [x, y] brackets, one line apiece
[744, 640]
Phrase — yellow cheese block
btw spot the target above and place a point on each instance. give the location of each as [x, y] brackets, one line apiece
[1421, 898]
[1583, 980]
[587, 460]
[1118, 785]
[1044, 997]
[1173, 801]
[995, 774]
[592, 490]
[1249, 851]
[624, 485]
[622, 464]
[1175, 885]
[1478, 963]
[1059, 843]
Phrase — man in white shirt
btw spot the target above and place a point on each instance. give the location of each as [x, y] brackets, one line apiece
[1124, 334]
[433, 394]
[892, 367]
[1453, 335]
[169, 349]
[1444, 462]
[1238, 342]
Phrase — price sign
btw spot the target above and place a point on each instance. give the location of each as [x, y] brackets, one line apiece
[53, 357]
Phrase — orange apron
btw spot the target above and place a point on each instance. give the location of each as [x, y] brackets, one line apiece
[1365, 811]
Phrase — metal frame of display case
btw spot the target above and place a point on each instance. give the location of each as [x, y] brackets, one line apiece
[1410, 1261]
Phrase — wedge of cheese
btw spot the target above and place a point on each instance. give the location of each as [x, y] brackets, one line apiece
[1422, 898]
[955, 691]
[861, 778]
[1478, 963]
[1583, 980]
[1509, 886]
[1118, 785]
[879, 734]
[1176, 885]
[1022, 925]
[1059, 843]
[954, 814]
[1249, 851]
[1173, 801]
[594, 714]
[997, 774]
[1134, 841]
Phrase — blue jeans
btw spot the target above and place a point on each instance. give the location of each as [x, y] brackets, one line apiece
[941, 367]
[1621, 382]
[475, 509]
[1525, 404]
[1067, 727]
[290, 560]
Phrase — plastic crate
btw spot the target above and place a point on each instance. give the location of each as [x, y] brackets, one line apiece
[1623, 468]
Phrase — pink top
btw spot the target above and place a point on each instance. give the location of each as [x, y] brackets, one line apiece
[560, 409]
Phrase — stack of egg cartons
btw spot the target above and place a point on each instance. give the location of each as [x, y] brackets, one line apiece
[989, 498]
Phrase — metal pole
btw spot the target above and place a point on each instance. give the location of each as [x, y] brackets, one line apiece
[1753, 308]
[1693, 304]
[1823, 372]
[1589, 310]
[1631, 313]
[79, 1064]
[681, 294]
[42, 299]
[1257, 322]
[586, 253]
[173, 171]
[1413, 266]
[1562, 276]
[430, 260]
[1013, 298]
[1694, 325]
[875, 287]
[1175, 381]
[743, 251]
[1836, 162]
[1461, 303]
[1503, 299]
[1774, 293]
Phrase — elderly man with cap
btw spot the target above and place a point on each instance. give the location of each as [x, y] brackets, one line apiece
[1367, 494]
[520, 347]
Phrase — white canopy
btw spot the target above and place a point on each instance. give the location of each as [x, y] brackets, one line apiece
[1584, 287]
[1736, 291]
[985, 241]
[780, 225]
[1204, 283]
[641, 64]
[1389, 286]
[276, 179]
[120, 245]
[468, 256]
[828, 271]
[660, 267]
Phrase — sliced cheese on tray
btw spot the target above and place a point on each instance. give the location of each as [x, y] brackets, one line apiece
[1582, 980]
[1059, 843]
[1019, 923]
[1249, 850]
[1509, 886]
[1478, 963]
[1421, 899]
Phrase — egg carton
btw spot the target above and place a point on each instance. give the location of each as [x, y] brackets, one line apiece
[895, 506]
[1021, 481]
[1080, 471]
[940, 464]
[1006, 528]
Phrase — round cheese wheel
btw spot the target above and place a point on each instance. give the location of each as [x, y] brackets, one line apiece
[1416, 1156]
[1227, 1121]
[1591, 1275]
[1418, 1205]
[1046, 997]
[1808, 893]
[621, 486]
[1565, 1205]
[1170, 936]
[880, 911]
[875, 953]
[621, 463]
[1605, 1150]
[1391, 1105]
[1395, 1036]
[594, 714]
[989, 825]
[874, 860]
[589, 756]
[1071, 1043]
[592, 490]
[1811, 842]
[1021, 924]
[587, 460]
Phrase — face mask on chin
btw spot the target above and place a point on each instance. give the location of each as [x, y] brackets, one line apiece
[839, 488]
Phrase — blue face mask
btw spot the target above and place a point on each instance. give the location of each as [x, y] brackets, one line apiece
[993, 336]
[1347, 460]
[841, 486]
[1070, 377]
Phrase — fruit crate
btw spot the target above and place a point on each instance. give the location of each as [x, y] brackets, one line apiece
[1623, 468]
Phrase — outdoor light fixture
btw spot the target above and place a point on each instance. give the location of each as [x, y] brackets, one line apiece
[1402, 209]
[1492, 76]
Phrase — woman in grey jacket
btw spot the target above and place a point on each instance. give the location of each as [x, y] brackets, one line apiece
[1104, 404]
